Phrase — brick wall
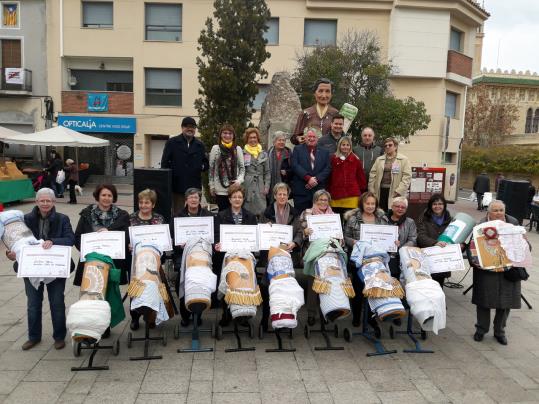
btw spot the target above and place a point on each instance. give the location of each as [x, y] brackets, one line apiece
[77, 102]
[459, 64]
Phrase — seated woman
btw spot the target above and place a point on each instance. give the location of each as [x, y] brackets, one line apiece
[192, 208]
[396, 216]
[235, 215]
[321, 206]
[431, 225]
[103, 215]
[142, 217]
[367, 212]
[492, 290]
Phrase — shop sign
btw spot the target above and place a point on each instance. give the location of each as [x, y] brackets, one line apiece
[95, 124]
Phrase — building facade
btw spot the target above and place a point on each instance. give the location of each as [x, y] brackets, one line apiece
[138, 59]
[24, 104]
[520, 89]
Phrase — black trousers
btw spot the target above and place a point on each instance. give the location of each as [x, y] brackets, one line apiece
[72, 194]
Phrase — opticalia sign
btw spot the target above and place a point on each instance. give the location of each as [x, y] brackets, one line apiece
[95, 124]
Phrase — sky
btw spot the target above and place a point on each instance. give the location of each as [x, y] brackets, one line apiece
[513, 28]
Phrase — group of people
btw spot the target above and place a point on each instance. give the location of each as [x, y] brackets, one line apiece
[60, 176]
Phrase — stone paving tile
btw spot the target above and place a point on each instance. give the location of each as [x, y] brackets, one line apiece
[70, 398]
[124, 372]
[234, 398]
[320, 398]
[20, 360]
[30, 392]
[164, 381]
[313, 381]
[238, 382]
[161, 398]
[9, 380]
[113, 392]
[430, 391]
[352, 392]
[401, 397]
[388, 380]
[81, 383]
[200, 392]
[53, 371]
[470, 396]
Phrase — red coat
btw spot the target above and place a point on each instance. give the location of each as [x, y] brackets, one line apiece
[347, 177]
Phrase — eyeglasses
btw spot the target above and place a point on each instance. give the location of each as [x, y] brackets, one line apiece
[388, 145]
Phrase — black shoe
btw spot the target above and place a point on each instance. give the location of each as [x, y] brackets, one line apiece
[135, 324]
[501, 339]
[311, 320]
[478, 336]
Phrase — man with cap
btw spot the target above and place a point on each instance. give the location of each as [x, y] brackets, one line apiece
[187, 158]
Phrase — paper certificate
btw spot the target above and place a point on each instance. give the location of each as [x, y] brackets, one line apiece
[156, 234]
[444, 259]
[383, 236]
[324, 226]
[238, 237]
[36, 262]
[271, 235]
[111, 243]
[186, 228]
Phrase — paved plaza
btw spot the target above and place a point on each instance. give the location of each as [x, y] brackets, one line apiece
[459, 371]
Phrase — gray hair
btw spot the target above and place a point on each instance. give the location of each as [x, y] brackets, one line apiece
[278, 135]
[281, 185]
[46, 192]
[319, 193]
[400, 199]
[495, 202]
[192, 191]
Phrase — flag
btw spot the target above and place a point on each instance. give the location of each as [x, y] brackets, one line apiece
[10, 15]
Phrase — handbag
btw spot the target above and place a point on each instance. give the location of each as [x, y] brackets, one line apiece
[60, 177]
[516, 274]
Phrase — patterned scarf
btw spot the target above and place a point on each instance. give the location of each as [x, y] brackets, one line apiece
[281, 218]
[101, 219]
[317, 211]
[226, 164]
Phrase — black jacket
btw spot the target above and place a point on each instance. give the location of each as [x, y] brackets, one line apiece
[481, 184]
[187, 162]
[225, 217]
[85, 226]
[427, 235]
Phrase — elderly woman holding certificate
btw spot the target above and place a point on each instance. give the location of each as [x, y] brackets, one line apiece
[234, 215]
[368, 212]
[321, 206]
[495, 290]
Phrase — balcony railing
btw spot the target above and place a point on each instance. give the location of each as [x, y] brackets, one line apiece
[16, 80]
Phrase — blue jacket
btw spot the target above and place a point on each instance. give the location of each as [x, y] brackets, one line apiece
[187, 162]
[60, 230]
[301, 165]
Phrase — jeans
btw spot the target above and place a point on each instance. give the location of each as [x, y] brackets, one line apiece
[55, 291]
[57, 188]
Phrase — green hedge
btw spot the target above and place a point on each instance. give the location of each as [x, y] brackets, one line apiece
[515, 159]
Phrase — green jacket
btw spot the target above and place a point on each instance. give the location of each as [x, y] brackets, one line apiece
[316, 249]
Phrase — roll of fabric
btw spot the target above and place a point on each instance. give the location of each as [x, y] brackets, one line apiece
[414, 265]
[459, 229]
[427, 304]
[285, 294]
[197, 281]
[333, 284]
[238, 284]
[88, 319]
[146, 288]
[387, 308]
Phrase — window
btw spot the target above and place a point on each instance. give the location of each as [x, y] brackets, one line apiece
[272, 34]
[528, 127]
[10, 14]
[449, 158]
[263, 90]
[11, 53]
[164, 22]
[163, 87]
[455, 40]
[451, 104]
[124, 87]
[97, 14]
[320, 32]
[535, 127]
[102, 80]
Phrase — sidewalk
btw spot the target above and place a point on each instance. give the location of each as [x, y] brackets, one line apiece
[460, 371]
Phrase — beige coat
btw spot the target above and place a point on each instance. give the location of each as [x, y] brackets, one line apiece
[400, 181]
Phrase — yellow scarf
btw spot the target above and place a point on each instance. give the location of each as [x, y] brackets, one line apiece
[227, 145]
[253, 150]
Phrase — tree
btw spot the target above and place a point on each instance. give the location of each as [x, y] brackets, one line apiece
[360, 78]
[233, 50]
[487, 119]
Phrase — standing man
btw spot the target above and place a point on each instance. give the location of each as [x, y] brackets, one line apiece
[55, 229]
[367, 151]
[330, 140]
[311, 167]
[187, 158]
[480, 186]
